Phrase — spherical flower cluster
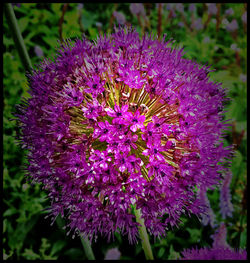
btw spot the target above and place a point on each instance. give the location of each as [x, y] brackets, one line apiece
[120, 124]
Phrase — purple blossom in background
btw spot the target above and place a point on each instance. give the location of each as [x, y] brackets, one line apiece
[137, 9]
[197, 24]
[179, 7]
[214, 254]
[225, 21]
[110, 129]
[220, 249]
[214, 20]
[212, 9]
[232, 26]
[206, 39]
[16, 4]
[208, 216]
[113, 254]
[120, 18]
[244, 17]
[181, 24]
[234, 47]
[220, 237]
[169, 6]
[226, 206]
[38, 51]
[80, 6]
[229, 12]
[243, 77]
[192, 8]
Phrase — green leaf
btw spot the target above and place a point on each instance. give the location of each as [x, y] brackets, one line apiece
[173, 254]
[243, 239]
[20, 233]
[10, 211]
[237, 166]
[7, 41]
[195, 234]
[6, 256]
[88, 19]
[161, 252]
[57, 247]
[52, 42]
[74, 253]
[23, 23]
[30, 254]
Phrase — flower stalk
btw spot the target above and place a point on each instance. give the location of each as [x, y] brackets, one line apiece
[87, 248]
[144, 236]
[17, 36]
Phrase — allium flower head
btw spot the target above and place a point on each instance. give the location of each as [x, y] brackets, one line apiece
[119, 124]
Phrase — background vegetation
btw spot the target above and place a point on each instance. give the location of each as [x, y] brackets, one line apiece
[216, 36]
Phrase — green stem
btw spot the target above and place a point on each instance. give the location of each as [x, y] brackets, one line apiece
[17, 37]
[144, 236]
[87, 248]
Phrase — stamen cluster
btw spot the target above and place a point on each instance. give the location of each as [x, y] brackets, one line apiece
[120, 124]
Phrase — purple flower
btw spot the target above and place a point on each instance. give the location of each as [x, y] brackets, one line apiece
[243, 77]
[197, 24]
[113, 254]
[16, 4]
[153, 151]
[117, 112]
[229, 12]
[137, 9]
[234, 47]
[220, 237]
[136, 120]
[169, 6]
[100, 159]
[120, 18]
[80, 6]
[179, 7]
[123, 123]
[127, 141]
[92, 110]
[192, 8]
[232, 26]
[38, 51]
[244, 17]
[212, 9]
[226, 206]
[208, 216]
[214, 254]
[102, 131]
[181, 24]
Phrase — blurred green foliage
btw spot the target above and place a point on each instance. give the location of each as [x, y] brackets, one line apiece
[26, 234]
